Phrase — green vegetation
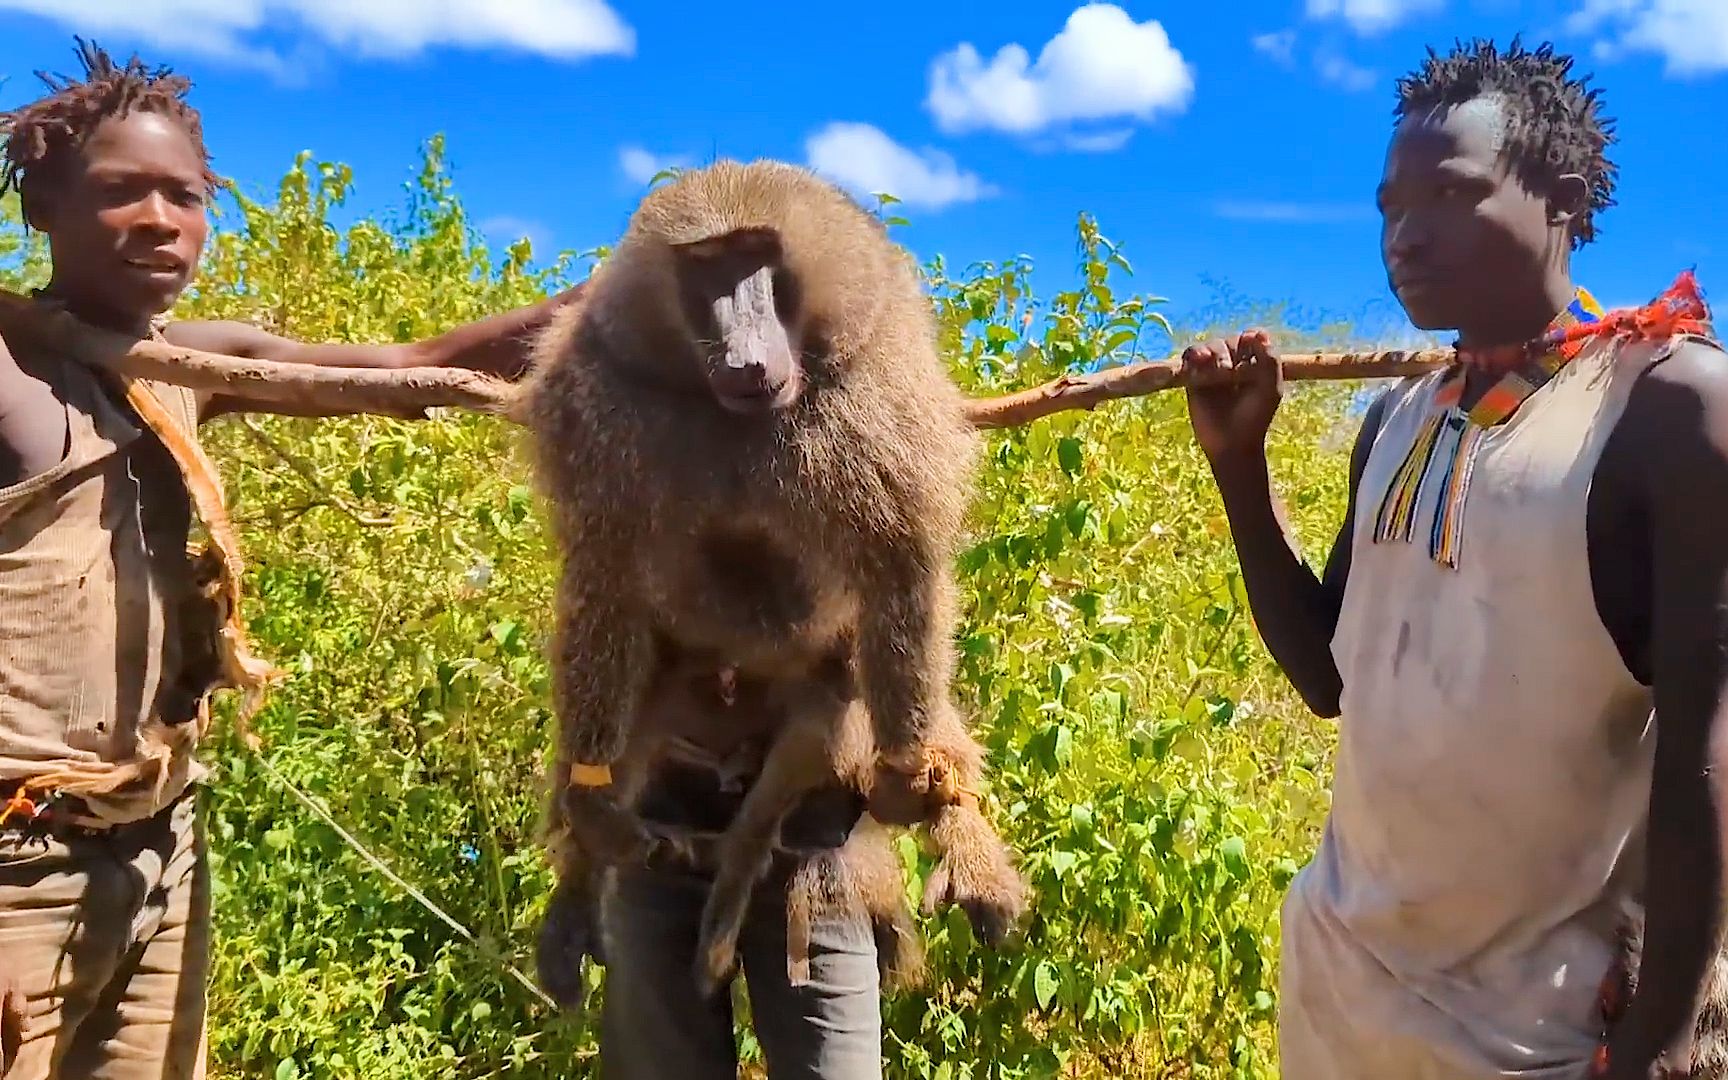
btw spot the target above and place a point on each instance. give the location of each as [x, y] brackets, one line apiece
[1162, 781]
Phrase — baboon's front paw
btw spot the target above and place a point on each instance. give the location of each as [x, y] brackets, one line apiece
[993, 896]
[568, 935]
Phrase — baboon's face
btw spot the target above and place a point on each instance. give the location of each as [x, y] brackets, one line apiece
[742, 302]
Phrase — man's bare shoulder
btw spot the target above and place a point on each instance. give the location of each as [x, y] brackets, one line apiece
[32, 423]
[1689, 382]
[1676, 417]
[1694, 362]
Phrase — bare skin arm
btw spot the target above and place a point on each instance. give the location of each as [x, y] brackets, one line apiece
[497, 345]
[33, 430]
[1673, 442]
[1295, 611]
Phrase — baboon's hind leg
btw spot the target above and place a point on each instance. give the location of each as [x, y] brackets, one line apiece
[797, 762]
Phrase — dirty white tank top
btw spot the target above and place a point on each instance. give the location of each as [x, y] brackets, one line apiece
[1493, 767]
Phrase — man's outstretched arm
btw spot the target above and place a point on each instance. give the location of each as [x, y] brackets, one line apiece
[1681, 413]
[496, 345]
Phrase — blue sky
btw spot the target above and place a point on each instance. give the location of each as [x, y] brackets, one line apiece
[1234, 144]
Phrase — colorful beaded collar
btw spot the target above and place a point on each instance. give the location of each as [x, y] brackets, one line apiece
[1438, 466]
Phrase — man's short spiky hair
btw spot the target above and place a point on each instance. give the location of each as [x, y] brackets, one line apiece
[1555, 124]
[37, 136]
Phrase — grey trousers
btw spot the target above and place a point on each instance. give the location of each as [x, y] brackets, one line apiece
[105, 940]
[655, 1026]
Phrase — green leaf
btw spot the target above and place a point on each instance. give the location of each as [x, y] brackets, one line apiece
[1078, 514]
[506, 632]
[1044, 983]
[1061, 674]
[1117, 340]
[1070, 454]
[1234, 853]
[1063, 747]
[1063, 861]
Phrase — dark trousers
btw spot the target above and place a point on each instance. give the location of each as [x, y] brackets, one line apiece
[655, 1025]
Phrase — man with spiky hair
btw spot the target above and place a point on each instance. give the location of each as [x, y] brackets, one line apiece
[1521, 624]
[106, 668]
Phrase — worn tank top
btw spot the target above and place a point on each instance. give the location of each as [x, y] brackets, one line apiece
[94, 579]
[1493, 767]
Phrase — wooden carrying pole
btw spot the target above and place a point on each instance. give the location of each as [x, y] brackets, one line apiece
[387, 392]
[409, 392]
[1150, 376]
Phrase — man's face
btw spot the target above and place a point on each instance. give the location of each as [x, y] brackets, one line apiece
[127, 224]
[1462, 238]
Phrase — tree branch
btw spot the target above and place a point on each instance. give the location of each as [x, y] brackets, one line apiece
[397, 392]
[389, 392]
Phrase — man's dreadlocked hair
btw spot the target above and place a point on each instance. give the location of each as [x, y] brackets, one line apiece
[1554, 122]
[37, 136]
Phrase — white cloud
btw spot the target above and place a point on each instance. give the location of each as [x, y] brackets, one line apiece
[230, 29]
[1101, 66]
[864, 160]
[1690, 35]
[505, 230]
[1280, 46]
[1291, 213]
[1373, 16]
[1343, 73]
[1099, 142]
[641, 165]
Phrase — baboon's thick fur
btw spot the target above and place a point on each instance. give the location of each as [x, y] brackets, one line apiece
[784, 546]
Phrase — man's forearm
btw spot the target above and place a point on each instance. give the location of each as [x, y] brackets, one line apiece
[497, 344]
[1287, 599]
[1683, 903]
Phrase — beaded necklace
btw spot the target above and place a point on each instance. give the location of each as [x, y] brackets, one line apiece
[1437, 469]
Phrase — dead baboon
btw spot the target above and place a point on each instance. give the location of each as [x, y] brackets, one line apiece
[753, 452]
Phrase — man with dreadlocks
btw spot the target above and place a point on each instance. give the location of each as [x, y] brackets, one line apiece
[107, 663]
[1521, 623]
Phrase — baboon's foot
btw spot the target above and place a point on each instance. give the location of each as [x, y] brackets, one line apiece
[976, 872]
[569, 934]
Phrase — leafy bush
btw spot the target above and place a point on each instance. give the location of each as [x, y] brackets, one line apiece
[1147, 758]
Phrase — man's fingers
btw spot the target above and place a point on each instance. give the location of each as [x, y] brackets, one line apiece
[1197, 356]
[1209, 364]
[1254, 345]
[1254, 350]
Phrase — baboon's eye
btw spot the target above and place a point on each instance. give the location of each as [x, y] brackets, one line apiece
[788, 299]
